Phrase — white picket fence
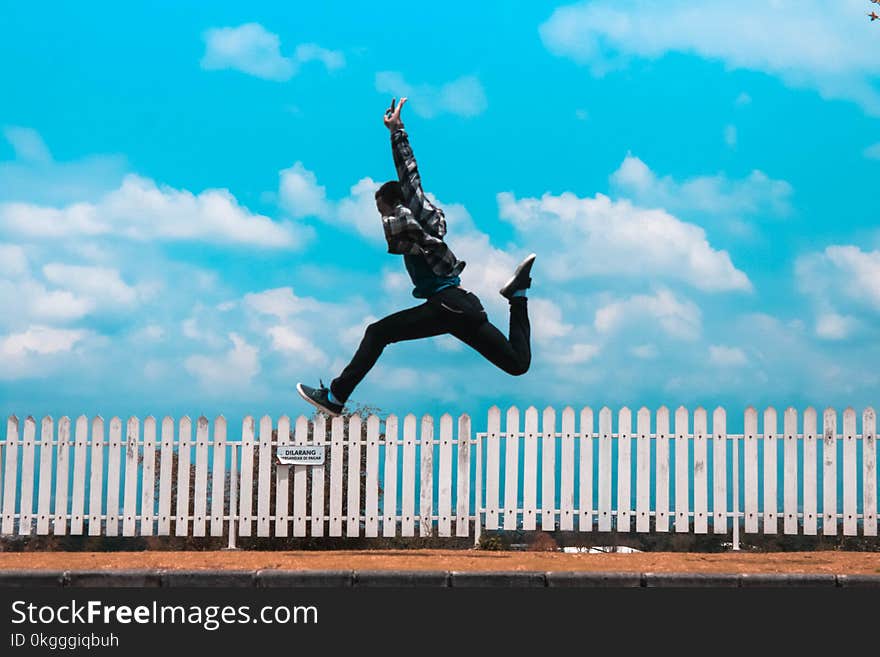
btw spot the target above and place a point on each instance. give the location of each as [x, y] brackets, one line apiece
[666, 473]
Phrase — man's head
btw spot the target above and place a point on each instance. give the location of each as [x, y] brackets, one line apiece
[388, 196]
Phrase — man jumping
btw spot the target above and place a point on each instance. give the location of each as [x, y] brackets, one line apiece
[414, 228]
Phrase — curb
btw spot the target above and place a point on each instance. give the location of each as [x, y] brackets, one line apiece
[274, 578]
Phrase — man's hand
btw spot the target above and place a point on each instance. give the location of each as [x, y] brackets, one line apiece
[392, 115]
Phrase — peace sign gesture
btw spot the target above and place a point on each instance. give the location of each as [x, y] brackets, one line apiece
[392, 115]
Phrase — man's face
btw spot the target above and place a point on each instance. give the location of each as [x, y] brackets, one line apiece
[384, 208]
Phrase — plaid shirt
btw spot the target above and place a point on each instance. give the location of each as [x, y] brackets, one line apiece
[417, 227]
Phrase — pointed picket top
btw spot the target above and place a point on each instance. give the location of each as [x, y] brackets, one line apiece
[770, 421]
[643, 422]
[568, 422]
[301, 427]
[12, 418]
[494, 409]
[662, 422]
[605, 422]
[548, 420]
[167, 419]
[427, 421]
[532, 409]
[46, 418]
[789, 423]
[464, 425]
[373, 426]
[409, 417]
[568, 409]
[446, 415]
[511, 420]
[493, 421]
[869, 422]
[701, 422]
[586, 421]
[150, 418]
[829, 423]
[849, 423]
[624, 422]
[681, 421]
[719, 422]
[11, 422]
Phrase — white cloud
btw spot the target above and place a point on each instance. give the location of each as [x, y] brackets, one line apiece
[41, 340]
[717, 195]
[841, 273]
[98, 283]
[140, 210]
[300, 194]
[13, 261]
[727, 356]
[464, 96]
[679, 318]
[645, 351]
[288, 341]
[252, 49]
[308, 52]
[814, 44]
[546, 320]
[577, 354]
[833, 326]
[28, 144]
[279, 302]
[601, 237]
[234, 369]
[730, 135]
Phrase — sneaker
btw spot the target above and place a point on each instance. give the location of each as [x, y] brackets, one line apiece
[319, 397]
[520, 279]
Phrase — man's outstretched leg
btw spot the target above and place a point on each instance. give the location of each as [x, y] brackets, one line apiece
[420, 322]
[511, 353]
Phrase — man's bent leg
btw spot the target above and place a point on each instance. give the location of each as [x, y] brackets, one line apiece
[411, 324]
[512, 354]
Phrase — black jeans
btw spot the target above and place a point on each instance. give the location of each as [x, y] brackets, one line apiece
[454, 311]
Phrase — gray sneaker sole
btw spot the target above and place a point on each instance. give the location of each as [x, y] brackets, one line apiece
[505, 289]
[321, 407]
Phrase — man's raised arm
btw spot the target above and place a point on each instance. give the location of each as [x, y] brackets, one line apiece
[426, 213]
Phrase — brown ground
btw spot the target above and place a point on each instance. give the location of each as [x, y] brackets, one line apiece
[835, 562]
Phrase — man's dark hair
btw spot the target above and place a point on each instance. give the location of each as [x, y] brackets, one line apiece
[391, 193]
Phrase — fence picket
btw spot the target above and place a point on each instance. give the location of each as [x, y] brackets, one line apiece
[548, 470]
[300, 480]
[444, 478]
[78, 502]
[682, 506]
[113, 477]
[643, 470]
[662, 484]
[282, 477]
[624, 469]
[246, 487]
[200, 510]
[132, 463]
[407, 520]
[511, 468]
[26, 504]
[371, 511]
[47, 436]
[337, 436]
[719, 471]
[701, 475]
[605, 468]
[426, 501]
[790, 472]
[850, 481]
[493, 449]
[389, 499]
[770, 491]
[353, 499]
[585, 471]
[811, 441]
[264, 474]
[869, 472]
[462, 512]
[10, 476]
[166, 464]
[62, 478]
[218, 476]
[829, 473]
[750, 467]
[566, 485]
[319, 436]
[148, 488]
[96, 477]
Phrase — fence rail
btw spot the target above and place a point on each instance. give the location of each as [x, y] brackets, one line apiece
[575, 471]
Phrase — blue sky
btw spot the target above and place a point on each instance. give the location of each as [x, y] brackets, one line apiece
[186, 223]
